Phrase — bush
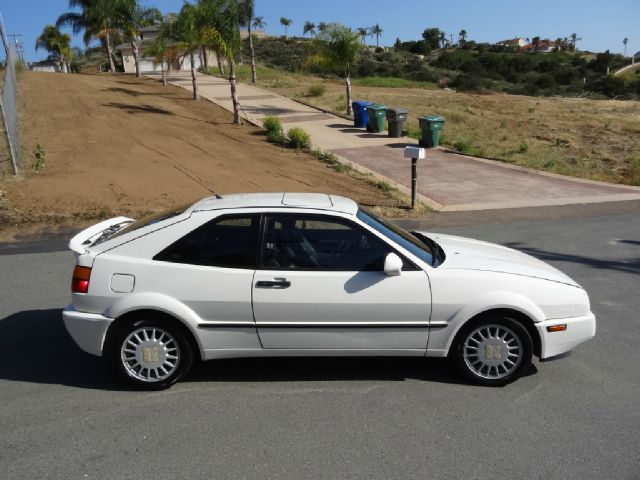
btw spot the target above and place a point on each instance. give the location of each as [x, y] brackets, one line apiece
[299, 139]
[317, 90]
[272, 124]
[277, 137]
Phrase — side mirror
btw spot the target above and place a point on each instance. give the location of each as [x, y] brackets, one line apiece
[392, 265]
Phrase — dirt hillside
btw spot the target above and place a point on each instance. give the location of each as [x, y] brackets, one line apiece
[118, 145]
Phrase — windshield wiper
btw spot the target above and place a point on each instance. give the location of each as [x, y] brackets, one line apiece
[437, 254]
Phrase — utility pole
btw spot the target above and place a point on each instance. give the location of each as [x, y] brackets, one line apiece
[16, 42]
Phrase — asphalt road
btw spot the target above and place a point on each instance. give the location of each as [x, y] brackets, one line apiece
[63, 417]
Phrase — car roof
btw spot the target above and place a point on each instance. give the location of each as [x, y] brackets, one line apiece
[318, 201]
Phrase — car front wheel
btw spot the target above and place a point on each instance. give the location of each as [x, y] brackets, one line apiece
[151, 354]
[493, 352]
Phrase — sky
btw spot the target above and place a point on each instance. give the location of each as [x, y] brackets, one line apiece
[601, 25]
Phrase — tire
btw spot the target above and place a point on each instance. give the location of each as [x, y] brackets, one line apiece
[492, 351]
[150, 354]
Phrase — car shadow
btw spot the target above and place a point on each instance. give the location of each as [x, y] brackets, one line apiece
[35, 347]
[630, 266]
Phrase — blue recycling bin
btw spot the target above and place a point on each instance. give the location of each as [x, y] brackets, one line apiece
[360, 117]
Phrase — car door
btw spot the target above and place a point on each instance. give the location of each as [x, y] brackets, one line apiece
[321, 285]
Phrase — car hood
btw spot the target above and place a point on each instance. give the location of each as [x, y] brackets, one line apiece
[469, 254]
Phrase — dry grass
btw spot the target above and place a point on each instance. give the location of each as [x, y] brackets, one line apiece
[593, 139]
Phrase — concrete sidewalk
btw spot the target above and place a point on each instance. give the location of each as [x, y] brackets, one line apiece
[446, 181]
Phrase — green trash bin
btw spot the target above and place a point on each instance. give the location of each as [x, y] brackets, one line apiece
[377, 115]
[431, 126]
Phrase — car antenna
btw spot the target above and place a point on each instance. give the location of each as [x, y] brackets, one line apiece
[182, 170]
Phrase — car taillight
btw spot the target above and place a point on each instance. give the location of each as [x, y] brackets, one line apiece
[80, 280]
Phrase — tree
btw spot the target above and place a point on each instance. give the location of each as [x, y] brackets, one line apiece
[322, 27]
[191, 34]
[364, 33]
[574, 38]
[377, 32]
[337, 50]
[246, 12]
[443, 39]
[56, 43]
[625, 41]
[160, 49]
[536, 43]
[222, 16]
[286, 23]
[131, 17]
[309, 27]
[462, 37]
[431, 37]
[98, 20]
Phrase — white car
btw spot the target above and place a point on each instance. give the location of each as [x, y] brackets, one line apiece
[290, 274]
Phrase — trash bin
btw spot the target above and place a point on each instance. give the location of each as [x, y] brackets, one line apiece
[360, 117]
[377, 115]
[431, 126]
[397, 118]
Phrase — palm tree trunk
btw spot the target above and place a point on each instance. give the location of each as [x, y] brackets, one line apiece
[134, 45]
[220, 66]
[194, 80]
[112, 66]
[349, 106]
[254, 77]
[234, 93]
[164, 77]
[205, 59]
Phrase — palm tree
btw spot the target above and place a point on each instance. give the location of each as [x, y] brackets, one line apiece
[443, 39]
[337, 50]
[98, 20]
[191, 36]
[309, 27]
[377, 32]
[56, 43]
[536, 43]
[131, 17]
[625, 41]
[160, 49]
[574, 38]
[222, 16]
[364, 33]
[462, 36]
[286, 23]
[246, 13]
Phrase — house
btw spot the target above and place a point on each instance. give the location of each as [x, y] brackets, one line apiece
[51, 64]
[514, 42]
[148, 64]
[544, 46]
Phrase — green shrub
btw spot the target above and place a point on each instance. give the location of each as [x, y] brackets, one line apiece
[272, 124]
[524, 148]
[299, 139]
[317, 90]
[277, 137]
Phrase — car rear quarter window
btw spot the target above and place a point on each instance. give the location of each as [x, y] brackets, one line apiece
[228, 241]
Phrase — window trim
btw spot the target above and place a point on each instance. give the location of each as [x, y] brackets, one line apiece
[408, 264]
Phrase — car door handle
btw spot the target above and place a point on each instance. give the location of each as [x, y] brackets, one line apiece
[275, 283]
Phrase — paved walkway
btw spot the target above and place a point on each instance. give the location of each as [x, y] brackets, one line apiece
[446, 181]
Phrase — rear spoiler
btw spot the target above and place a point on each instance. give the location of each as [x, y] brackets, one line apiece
[82, 241]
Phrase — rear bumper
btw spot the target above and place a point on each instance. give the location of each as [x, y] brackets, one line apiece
[579, 329]
[88, 330]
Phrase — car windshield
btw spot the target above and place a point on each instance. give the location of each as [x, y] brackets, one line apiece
[422, 247]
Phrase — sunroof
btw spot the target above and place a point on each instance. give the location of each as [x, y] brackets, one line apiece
[317, 200]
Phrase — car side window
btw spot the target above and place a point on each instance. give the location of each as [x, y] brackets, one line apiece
[315, 242]
[228, 241]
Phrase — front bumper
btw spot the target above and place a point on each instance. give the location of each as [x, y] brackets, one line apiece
[88, 330]
[579, 329]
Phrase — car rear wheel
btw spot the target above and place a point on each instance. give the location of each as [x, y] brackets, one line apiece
[151, 354]
[493, 352]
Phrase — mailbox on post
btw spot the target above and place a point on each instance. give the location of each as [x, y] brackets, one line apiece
[415, 154]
